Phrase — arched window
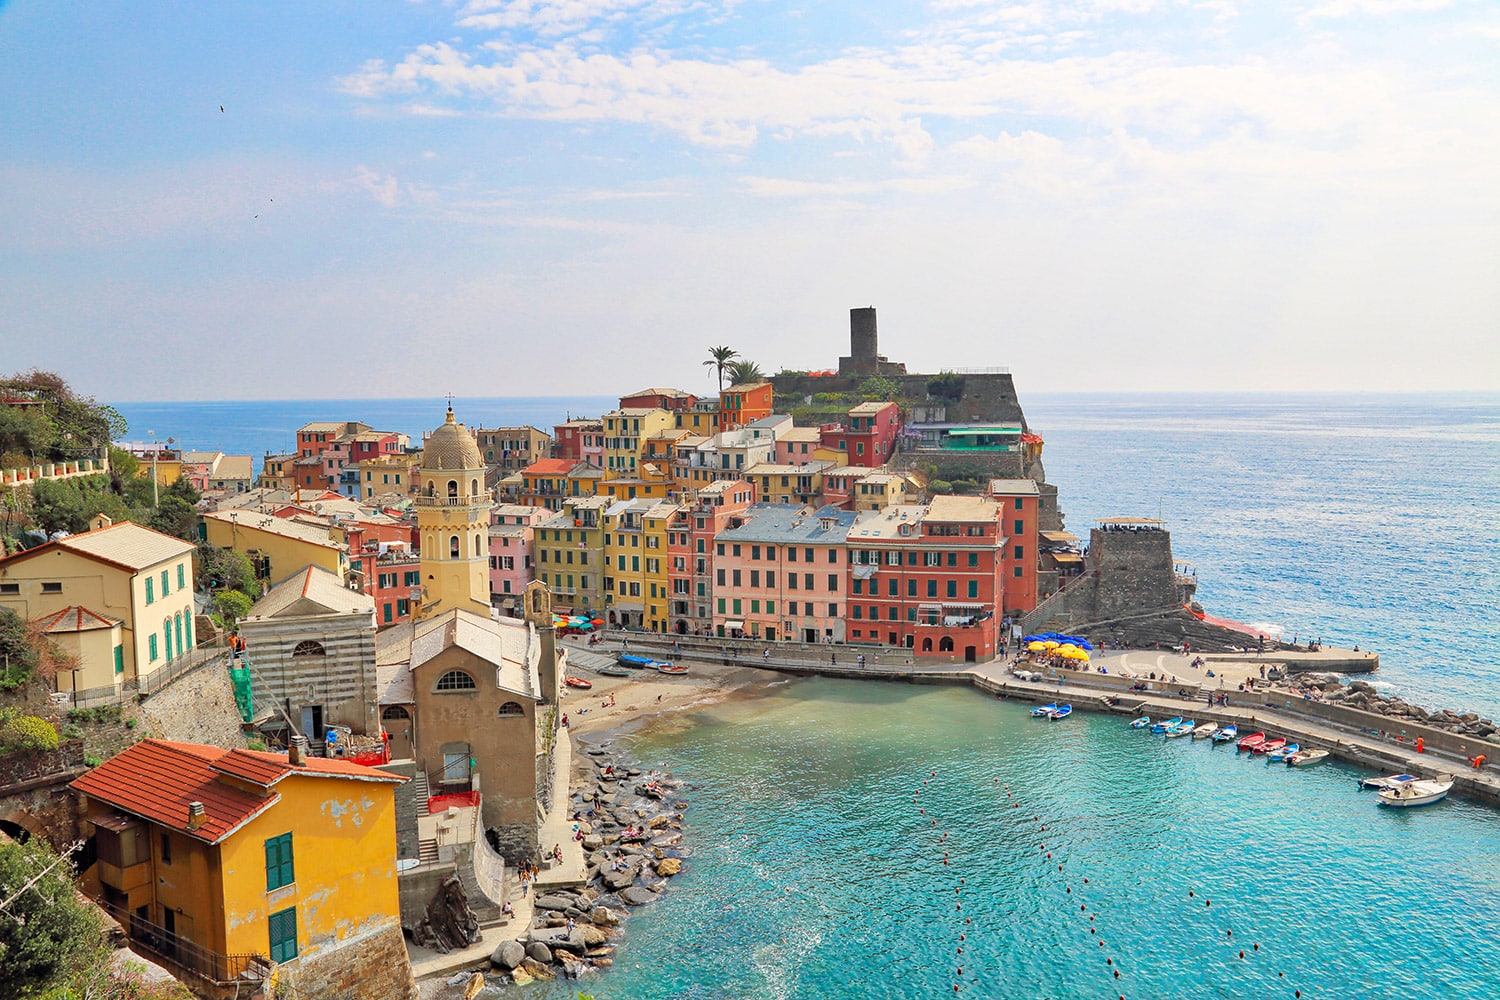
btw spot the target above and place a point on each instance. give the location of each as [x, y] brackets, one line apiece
[945, 645]
[452, 546]
[394, 712]
[308, 647]
[453, 487]
[511, 709]
[455, 680]
[927, 645]
[474, 488]
[431, 490]
[477, 550]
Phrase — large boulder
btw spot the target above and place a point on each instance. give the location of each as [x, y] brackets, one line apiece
[592, 842]
[508, 955]
[537, 970]
[554, 902]
[668, 867]
[621, 879]
[638, 896]
[592, 936]
[603, 916]
[539, 952]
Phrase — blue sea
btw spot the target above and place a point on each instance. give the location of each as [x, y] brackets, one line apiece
[849, 839]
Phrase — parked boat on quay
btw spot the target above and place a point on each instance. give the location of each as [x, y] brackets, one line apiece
[1417, 792]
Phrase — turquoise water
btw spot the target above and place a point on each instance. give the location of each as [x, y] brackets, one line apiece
[815, 875]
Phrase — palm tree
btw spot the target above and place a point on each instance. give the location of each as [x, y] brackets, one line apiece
[719, 358]
[742, 372]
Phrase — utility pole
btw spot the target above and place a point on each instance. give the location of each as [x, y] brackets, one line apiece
[155, 483]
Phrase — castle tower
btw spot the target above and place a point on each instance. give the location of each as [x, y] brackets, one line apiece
[453, 518]
[537, 602]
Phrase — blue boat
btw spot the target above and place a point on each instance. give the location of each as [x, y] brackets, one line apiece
[1140, 723]
[638, 662]
[1284, 752]
[1044, 711]
[1161, 727]
[1226, 734]
[1060, 713]
[1183, 728]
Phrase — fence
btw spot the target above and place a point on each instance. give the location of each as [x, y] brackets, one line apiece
[179, 953]
[152, 683]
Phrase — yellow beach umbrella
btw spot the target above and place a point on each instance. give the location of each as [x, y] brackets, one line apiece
[1036, 647]
[1050, 644]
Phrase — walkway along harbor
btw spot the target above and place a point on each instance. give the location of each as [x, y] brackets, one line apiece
[1348, 734]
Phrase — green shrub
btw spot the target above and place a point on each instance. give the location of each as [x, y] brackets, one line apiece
[131, 723]
[72, 732]
[257, 744]
[92, 761]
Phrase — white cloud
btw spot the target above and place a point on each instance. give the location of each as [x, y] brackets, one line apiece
[384, 188]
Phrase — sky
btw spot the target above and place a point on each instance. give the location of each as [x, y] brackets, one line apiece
[344, 199]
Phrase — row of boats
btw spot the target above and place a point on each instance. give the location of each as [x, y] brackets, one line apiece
[1052, 712]
[630, 661]
[1398, 790]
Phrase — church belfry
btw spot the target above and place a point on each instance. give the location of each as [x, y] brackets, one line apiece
[453, 519]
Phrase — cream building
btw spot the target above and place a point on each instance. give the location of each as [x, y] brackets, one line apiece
[123, 572]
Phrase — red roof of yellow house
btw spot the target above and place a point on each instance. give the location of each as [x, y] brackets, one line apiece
[74, 618]
[157, 779]
[549, 467]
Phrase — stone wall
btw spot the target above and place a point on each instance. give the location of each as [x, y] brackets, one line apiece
[198, 707]
[407, 807]
[372, 965]
[417, 886]
[341, 679]
[1134, 569]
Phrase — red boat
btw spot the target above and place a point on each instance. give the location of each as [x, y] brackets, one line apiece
[577, 682]
[1269, 745]
[1251, 742]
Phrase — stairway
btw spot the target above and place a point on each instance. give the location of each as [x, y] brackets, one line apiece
[422, 791]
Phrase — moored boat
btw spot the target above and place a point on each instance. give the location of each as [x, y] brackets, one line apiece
[1044, 711]
[675, 669]
[1251, 742]
[1417, 792]
[1389, 781]
[1266, 746]
[611, 670]
[1226, 734]
[1161, 727]
[1204, 731]
[1061, 712]
[635, 660]
[578, 682]
[1305, 758]
[1282, 753]
[1140, 723]
[1184, 728]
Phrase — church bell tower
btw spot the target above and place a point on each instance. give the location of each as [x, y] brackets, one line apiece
[453, 520]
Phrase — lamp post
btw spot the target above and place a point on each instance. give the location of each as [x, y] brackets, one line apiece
[155, 489]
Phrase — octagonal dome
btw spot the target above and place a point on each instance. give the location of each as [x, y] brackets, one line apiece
[451, 448]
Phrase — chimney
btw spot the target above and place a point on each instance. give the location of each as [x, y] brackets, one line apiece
[196, 815]
[296, 753]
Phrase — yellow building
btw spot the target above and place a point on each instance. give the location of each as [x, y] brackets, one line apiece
[234, 865]
[624, 560]
[880, 490]
[625, 433]
[277, 472]
[92, 642]
[453, 522]
[386, 474]
[125, 572]
[569, 551]
[786, 483]
[655, 565]
[277, 547]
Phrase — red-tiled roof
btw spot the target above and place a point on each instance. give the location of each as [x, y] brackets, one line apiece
[550, 467]
[156, 779]
[74, 618]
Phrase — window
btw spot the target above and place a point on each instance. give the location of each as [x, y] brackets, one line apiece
[894, 588]
[52, 588]
[10, 588]
[833, 583]
[455, 680]
[308, 647]
[858, 610]
[833, 611]
[283, 924]
[755, 552]
[386, 613]
[511, 709]
[791, 554]
[754, 577]
[279, 871]
[807, 583]
[792, 608]
[858, 586]
[1018, 506]
[165, 590]
[166, 848]
[911, 588]
[833, 557]
[952, 588]
[181, 577]
[791, 581]
[1016, 573]
[931, 588]
[151, 645]
[1020, 527]
[1020, 551]
[770, 578]
[456, 766]
[150, 590]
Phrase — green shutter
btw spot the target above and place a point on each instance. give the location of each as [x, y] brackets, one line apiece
[283, 928]
[279, 870]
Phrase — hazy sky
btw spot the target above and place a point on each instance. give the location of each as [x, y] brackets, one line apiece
[511, 197]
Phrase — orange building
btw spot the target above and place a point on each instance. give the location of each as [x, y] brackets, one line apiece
[742, 404]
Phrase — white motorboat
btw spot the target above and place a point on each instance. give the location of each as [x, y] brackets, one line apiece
[1140, 723]
[1228, 734]
[1305, 758]
[1419, 792]
[1390, 781]
[1204, 731]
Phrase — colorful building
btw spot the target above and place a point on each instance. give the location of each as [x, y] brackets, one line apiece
[512, 537]
[453, 519]
[625, 431]
[1020, 508]
[797, 484]
[782, 573]
[115, 572]
[797, 446]
[657, 525]
[276, 546]
[579, 441]
[743, 404]
[236, 869]
[570, 554]
[675, 400]
[868, 436]
[690, 551]
[511, 449]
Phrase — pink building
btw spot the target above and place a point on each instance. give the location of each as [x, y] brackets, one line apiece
[690, 552]
[782, 574]
[579, 441]
[868, 437]
[512, 562]
[797, 445]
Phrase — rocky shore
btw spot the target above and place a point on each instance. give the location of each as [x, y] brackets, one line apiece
[1361, 695]
[630, 821]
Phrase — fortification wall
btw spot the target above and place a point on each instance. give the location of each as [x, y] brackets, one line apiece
[1135, 571]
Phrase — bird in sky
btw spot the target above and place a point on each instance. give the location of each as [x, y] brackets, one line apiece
[221, 109]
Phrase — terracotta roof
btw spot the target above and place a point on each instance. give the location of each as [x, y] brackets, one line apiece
[74, 618]
[127, 545]
[156, 779]
[550, 467]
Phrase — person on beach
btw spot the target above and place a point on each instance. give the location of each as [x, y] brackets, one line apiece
[832, 659]
[557, 853]
[766, 655]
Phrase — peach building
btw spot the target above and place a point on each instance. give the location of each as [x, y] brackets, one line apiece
[782, 574]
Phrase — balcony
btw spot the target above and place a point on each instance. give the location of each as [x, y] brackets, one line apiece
[426, 501]
[187, 959]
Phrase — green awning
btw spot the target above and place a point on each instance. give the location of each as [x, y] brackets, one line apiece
[957, 431]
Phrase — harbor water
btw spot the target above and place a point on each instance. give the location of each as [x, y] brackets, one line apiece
[820, 818]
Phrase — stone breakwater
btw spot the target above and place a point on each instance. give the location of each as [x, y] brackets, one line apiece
[630, 821]
[1363, 696]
